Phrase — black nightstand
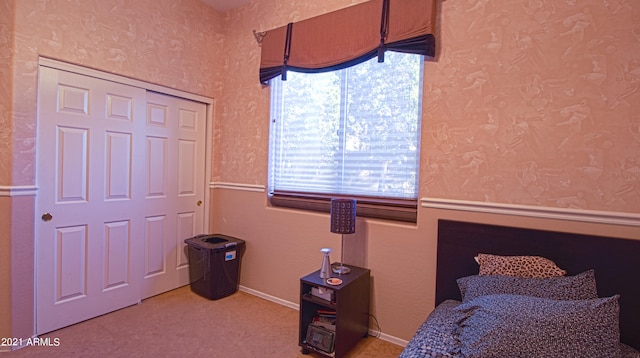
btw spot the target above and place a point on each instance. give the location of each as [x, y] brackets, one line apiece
[349, 301]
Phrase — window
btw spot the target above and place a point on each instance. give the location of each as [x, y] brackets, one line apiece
[354, 132]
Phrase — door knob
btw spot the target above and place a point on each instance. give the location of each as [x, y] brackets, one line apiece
[199, 203]
[46, 217]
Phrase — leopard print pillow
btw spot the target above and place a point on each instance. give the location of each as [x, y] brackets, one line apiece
[518, 266]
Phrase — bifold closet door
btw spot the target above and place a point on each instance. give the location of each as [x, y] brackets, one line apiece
[89, 202]
[120, 175]
[174, 188]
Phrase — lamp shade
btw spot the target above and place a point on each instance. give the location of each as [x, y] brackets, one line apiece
[343, 216]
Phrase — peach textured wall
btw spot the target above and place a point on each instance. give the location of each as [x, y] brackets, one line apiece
[536, 103]
[6, 86]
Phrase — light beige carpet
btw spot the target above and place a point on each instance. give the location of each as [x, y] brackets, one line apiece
[180, 323]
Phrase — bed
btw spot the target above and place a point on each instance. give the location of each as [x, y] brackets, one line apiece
[505, 315]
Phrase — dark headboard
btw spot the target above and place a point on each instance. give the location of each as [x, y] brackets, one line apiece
[616, 262]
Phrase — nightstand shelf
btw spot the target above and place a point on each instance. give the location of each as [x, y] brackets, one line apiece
[350, 301]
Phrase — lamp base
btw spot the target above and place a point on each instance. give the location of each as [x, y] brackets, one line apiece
[340, 269]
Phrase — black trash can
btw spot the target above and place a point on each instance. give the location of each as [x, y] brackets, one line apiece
[214, 264]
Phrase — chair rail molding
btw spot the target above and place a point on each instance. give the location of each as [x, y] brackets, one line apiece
[592, 216]
[21, 190]
[237, 186]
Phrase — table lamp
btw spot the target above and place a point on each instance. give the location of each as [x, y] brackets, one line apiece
[343, 221]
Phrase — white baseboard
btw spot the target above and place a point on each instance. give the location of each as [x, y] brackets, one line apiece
[380, 335]
[391, 339]
[267, 297]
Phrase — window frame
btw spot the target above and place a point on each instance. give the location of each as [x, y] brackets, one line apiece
[396, 209]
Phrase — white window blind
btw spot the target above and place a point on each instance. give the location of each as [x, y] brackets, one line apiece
[352, 132]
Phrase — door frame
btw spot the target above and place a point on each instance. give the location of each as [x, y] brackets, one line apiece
[209, 121]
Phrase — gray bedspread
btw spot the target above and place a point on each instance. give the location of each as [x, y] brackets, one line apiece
[436, 336]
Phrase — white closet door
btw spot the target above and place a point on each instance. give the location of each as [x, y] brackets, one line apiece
[88, 241]
[121, 185]
[174, 192]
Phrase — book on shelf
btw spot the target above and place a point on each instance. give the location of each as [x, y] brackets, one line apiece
[325, 322]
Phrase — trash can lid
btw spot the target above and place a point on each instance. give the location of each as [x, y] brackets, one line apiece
[213, 241]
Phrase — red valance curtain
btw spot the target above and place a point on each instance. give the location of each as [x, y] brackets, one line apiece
[349, 36]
